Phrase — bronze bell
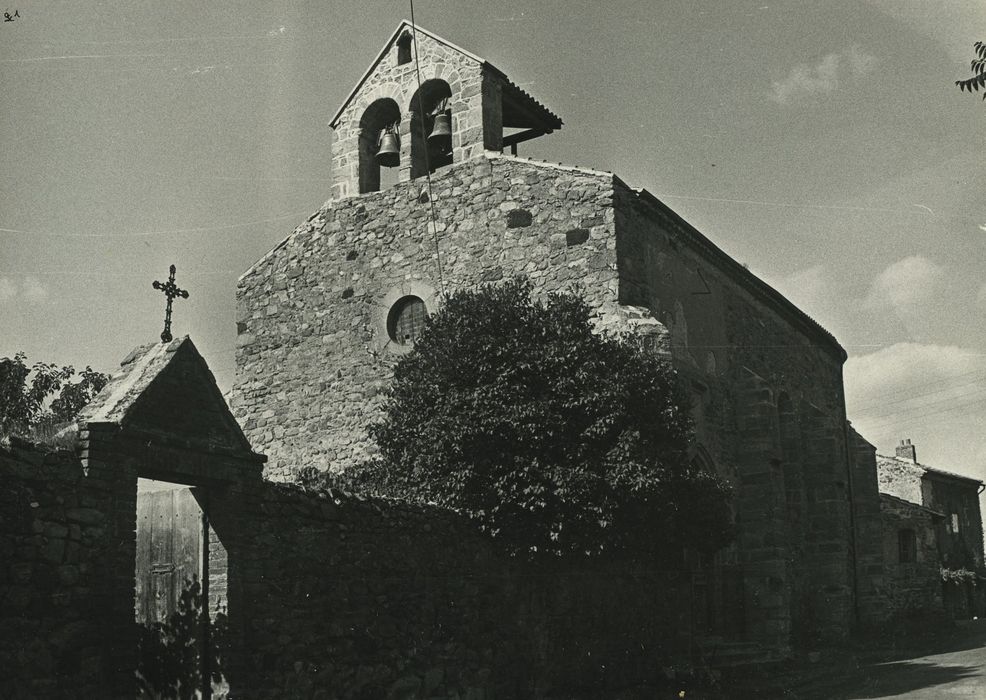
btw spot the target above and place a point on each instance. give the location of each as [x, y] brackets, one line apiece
[389, 152]
[441, 131]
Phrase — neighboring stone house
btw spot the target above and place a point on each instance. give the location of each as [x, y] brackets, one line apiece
[960, 529]
[912, 583]
[918, 542]
[323, 317]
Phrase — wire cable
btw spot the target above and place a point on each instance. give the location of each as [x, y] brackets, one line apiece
[421, 112]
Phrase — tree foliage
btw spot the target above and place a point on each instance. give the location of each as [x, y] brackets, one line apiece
[42, 394]
[551, 436]
[978, 67]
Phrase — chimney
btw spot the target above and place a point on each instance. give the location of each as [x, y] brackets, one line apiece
[905, 450]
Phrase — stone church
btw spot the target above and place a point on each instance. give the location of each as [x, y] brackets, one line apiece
[425, 199]
[315, 593]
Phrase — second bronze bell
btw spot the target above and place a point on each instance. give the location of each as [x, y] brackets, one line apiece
[389, 152]
[441, 131]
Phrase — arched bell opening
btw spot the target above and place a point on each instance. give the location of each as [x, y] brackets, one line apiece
[379, 143]
[431, 127]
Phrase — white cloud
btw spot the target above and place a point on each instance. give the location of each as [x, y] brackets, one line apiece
[806, 287]
[981, 296]
[860, 62]
[31, 290]
[905, 284]
[8, 290]
[34, 290]
[933, 394]
[824, 77]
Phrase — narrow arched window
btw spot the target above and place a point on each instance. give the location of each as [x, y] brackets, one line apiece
[404, 49]
[431, 127]
[379, 142]
[907, 546]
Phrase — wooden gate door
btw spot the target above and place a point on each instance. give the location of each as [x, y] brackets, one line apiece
[169, 551]
[171, 590]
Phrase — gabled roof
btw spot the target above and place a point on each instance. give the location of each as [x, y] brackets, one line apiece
[137, 371]
[754, 284]
[161, 387]
[517, 98]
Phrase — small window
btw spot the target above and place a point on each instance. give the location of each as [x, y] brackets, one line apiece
[406, 320]
[404, 49]
[955, 523]
[907, 546]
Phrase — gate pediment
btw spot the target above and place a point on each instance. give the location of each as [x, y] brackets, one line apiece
[164, 407]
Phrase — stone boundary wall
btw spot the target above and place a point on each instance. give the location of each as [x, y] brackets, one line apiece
[355, 598]
[56, 547]
[327, 596]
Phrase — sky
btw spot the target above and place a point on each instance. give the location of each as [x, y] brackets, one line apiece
[824, 144]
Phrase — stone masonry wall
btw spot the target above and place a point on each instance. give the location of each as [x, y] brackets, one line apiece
[900, 478]
[962, 545]
[314, 353]
[63, 631]
[742, 350]
[327, 596]
[346, 598]
[324, 593]
[313, 348]
[869, 525]
[911, 588]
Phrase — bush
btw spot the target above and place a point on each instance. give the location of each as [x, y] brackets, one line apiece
[552, 437]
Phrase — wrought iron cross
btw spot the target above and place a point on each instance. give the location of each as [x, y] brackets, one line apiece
[171, 291]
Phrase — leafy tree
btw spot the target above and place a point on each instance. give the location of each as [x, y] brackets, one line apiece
[978, 67]
[551, 436]
[41, 394]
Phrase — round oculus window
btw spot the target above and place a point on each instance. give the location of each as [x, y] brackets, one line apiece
[406, 320]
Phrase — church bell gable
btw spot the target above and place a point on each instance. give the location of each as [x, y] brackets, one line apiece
[425, 103]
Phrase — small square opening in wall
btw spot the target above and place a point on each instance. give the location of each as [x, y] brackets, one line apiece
[953, 524]
[576, 236]
[519, 218]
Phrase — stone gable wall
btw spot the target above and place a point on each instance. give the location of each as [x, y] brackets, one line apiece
[313, 351]
[314, 356]
[900, 478]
